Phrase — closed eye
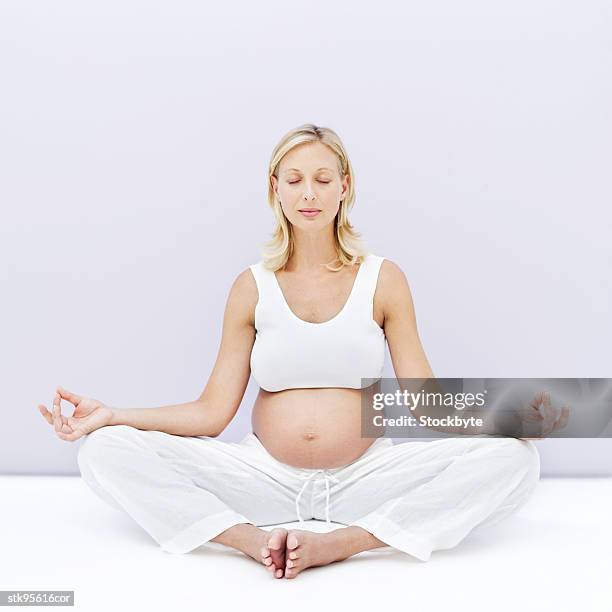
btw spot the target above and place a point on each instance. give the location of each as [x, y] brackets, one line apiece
[293, 182]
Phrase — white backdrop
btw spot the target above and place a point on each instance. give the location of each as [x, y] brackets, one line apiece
[134, 140]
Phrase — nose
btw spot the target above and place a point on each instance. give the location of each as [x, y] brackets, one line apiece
[309, 193]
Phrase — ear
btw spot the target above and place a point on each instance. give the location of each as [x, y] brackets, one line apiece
[274, 182]
[345, 184]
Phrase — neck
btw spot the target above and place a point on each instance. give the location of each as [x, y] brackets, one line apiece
[312, 250]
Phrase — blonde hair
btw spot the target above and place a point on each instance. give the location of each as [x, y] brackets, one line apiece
[347, 240]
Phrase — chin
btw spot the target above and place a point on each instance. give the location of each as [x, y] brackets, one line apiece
[304, 222]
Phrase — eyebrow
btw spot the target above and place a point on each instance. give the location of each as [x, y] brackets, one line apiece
[298, 170]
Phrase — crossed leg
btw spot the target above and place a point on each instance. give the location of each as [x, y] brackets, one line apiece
[420, 497]
[186, 491]
[416, 497]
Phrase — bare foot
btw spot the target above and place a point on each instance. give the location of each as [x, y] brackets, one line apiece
[308, 549]
[273, 551]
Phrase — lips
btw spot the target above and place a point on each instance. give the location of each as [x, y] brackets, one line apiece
[309, 213]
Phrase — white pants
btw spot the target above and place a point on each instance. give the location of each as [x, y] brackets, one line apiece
[415, 496]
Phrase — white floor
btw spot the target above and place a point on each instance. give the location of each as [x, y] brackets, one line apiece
[554, 554]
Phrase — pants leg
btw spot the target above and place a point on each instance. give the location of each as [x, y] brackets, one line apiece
[184, 491]
[424, 496]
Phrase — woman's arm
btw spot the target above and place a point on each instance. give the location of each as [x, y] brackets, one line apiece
[221, 398]
[407, 354]
[188, 419]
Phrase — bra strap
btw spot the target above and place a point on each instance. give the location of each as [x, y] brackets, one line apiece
[263, 281]
[270, 294]
[368, 280]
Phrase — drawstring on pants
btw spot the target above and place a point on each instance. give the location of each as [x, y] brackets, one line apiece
[327, 477]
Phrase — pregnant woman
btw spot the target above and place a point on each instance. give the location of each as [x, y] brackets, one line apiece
[309, 322]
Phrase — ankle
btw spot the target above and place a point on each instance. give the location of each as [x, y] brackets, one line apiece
[242, 536]
[352, 540]
[341, 543]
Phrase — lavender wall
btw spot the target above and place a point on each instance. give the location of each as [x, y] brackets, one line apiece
[133, 151]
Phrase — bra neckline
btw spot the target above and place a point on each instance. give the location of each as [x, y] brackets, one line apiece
[329, 321]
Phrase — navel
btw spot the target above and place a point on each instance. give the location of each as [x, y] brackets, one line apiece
[309, 436]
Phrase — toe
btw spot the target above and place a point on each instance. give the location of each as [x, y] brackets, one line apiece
[292, 541]
[276, 546]
[275, 540]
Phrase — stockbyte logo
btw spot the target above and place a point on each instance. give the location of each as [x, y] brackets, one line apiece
[502, 407]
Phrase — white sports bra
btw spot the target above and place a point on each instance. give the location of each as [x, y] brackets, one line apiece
[290, 353]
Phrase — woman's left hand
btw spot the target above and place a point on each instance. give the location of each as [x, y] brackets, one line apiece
[540, 415]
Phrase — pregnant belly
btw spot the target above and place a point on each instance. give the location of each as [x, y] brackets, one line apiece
[311, 428]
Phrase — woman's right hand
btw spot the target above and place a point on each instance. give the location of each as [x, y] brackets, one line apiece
[89, 415]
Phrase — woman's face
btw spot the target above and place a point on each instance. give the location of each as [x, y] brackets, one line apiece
[308, 178]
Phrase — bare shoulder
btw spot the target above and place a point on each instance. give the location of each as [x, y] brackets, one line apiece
[243, 296]
[394, 289]
[244, 284]
[392, 280]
